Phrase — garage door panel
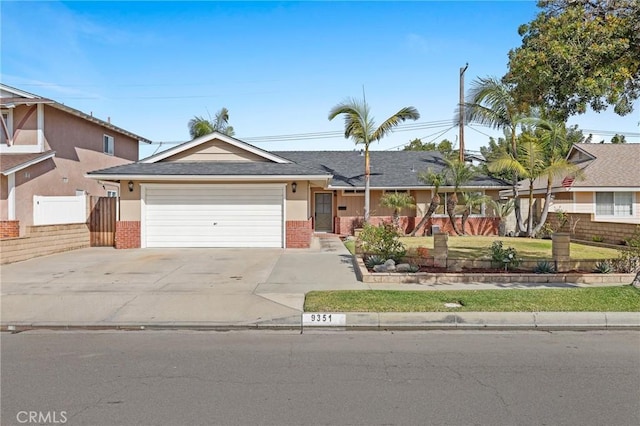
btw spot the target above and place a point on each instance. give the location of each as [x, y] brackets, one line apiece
[211, 216]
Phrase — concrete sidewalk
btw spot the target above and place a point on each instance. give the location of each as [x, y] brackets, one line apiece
[227, 289]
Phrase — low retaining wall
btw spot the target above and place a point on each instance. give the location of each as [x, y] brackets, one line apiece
[44, 240]
[454, 263]
[456, 278]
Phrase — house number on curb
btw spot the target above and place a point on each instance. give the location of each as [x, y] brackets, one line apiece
[324, 319]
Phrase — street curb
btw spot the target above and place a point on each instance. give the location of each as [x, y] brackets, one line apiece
[380, 321]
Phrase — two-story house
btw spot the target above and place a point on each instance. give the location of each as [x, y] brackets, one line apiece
[46, 148]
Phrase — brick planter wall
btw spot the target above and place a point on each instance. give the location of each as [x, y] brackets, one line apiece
[128, 234]
[299, 233]
[475, 225]
[583, 228]
[9, 228]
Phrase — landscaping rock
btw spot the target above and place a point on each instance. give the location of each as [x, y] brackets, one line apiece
[403, 267]
[456, 267]
[380, 268]
[390, 265]
[636, 281]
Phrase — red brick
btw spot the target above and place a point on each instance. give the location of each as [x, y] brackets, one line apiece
[9, 228]
[127, 234]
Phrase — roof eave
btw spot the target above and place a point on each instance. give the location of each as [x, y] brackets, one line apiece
[204, 177]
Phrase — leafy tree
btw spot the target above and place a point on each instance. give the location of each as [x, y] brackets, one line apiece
[579, 53]
[200, 126]
[457, 173]
[359, 125]
[445, 147]
[618, 139]
[397, 201]
[436, 180]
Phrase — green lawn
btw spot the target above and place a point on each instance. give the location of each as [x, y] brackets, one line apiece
[477, 247]
[587, 299]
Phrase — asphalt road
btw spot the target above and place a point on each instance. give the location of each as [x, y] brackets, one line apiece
[363, 378]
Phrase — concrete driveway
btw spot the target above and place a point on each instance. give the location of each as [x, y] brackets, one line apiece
[104, 286]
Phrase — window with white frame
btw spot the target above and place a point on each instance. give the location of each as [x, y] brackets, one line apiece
[7, 125]
[352, 192]
[111, 193]
[476, 209]
[107, 145]
[617, 204]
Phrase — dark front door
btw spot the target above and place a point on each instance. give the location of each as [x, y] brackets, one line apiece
[323, 215]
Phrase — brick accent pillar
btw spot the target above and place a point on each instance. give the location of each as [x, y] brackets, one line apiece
[440, 249]
[128, 234]
[299, 233]
[9, 228]
[561, 250]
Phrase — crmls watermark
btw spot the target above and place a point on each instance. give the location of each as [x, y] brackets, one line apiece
[42, 417]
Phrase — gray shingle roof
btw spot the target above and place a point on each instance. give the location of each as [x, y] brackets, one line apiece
[203, 168]
[389, 169]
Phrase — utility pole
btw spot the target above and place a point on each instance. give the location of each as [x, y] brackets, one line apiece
[461, 119]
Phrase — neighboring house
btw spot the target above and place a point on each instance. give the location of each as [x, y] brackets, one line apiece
[46, 148]
[217, 191]
[605, 204]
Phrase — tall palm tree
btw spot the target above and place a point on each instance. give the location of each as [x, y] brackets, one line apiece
[493, 103]
[397, 201]
[200, 126]
[457, 173]
[436, 180]
[360, 127]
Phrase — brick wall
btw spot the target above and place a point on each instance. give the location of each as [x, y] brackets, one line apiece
[127, 234]
[474, 226]
[299, 233]
[582, 227]
[9, 228]
[44, 240]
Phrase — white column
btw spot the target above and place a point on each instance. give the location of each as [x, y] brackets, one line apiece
[40, 118]
[11, 199]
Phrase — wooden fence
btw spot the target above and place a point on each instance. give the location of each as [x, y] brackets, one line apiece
[102, 221]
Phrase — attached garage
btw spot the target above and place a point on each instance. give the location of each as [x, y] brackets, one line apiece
[212, 215]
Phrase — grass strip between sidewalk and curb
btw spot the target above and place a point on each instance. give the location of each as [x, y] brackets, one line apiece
[585, 299]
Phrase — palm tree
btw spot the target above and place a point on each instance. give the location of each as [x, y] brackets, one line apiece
[470, 200]
[457, 173]
[532, 162]
[397, 201]
[493, 103]
[360, 126]
[200, 126]
[502, 209]
[436, 180]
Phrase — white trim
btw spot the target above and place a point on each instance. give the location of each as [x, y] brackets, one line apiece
[110, 148]
[143, 206]
[205, 177]
[29, 163]
[17, 92]
[19, 149]
[418, 188]
[11, 197]
[606, 218]
[9, 125]
[207, 138]
[352, 193]
[40, 124]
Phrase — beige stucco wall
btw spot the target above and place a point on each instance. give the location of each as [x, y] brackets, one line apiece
[25, 125]
[215, 150]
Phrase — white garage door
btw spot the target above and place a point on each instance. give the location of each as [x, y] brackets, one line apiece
[213, 215]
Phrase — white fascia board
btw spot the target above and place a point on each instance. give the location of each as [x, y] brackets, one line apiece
[28, 163]
[423, 187]
[18, 92]
[207, 177]
[604, 189]
[211, 136]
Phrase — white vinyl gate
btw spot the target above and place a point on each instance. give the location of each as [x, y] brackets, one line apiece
[233, 215]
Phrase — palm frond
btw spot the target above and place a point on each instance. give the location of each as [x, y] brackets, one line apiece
[406, 113]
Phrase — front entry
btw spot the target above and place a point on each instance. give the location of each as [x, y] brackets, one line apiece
[323, 212]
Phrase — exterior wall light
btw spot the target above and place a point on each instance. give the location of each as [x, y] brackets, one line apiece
[294, 187]
[130, 184]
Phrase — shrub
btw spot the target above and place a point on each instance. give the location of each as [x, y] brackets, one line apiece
[597, 238]
[544, 267]
[628, 260]
[383, 241]
[504, 257]
[603, 267]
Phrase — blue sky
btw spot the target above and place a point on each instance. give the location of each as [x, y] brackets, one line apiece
[277, 66]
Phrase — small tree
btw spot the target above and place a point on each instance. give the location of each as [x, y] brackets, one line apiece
[470, 201]
[457, 173]
[397, 201]
[437, 180]
[502, 209]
